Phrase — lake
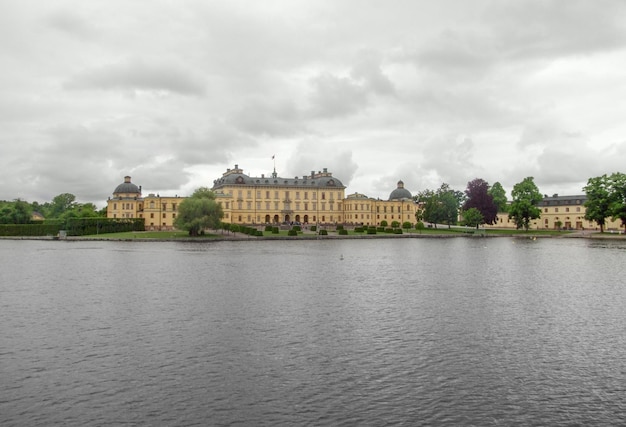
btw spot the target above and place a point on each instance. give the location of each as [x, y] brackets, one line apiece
[433, 332]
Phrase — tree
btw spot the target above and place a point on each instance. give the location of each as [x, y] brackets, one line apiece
[198, 212]
[478, 197]
[473, 218]
[440, 207]
[617, 183]
[524, 208]
[598, 203]
[449, 206]
[498, 195]
[16, 212]
[60, 204]
[204, 192]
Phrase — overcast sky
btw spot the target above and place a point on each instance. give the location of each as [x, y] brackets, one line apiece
[173, 93]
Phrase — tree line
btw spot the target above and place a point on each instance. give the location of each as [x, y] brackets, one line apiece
[480, 203]
[60, 208]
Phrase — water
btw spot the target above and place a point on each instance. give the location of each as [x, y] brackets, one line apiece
[453, 332]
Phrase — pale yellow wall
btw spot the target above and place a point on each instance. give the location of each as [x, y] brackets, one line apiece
[124, 205]
[158, 212]
[570, 217]
[360, 209]
[249, 204]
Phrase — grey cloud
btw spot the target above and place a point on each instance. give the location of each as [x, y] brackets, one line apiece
[264, 117]
[212, 145]
[522, 31]
[137, 74]
[312, 154]
[335, 97]
[368, 68]
[72, 24]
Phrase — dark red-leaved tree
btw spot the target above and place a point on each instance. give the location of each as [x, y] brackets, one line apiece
[477, 196]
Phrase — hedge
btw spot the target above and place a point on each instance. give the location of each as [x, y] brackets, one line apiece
[30, 229]
[86, 226]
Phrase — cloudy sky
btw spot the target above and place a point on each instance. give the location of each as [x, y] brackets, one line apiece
[173, 93]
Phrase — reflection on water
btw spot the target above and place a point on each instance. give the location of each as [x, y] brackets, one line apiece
[408, 331]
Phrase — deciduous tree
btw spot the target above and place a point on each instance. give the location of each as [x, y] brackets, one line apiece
[440, 207]
[499, 196]
[617, 182]
[478, 197]
[473, 218]
[598, 203]
[524, 208]
[198, 212]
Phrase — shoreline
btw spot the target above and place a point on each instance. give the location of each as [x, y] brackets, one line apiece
[246, 238]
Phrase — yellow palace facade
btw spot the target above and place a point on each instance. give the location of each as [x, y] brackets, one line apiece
[315, 198]
[560, 213]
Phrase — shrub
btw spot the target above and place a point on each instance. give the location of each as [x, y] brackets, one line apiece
[323, 233]
[420, 225]
[389, 230]
[274, 230]
[384, 223]
[84, 226]
[395, 224]
[339, 227]
[380, 229]
[268, 228]
[397, 231]
[406, 225]
[292, 232]
[297, 228]
[371, 231]
[358, 229]
[314, 228]
[258, 233]
[343, 232]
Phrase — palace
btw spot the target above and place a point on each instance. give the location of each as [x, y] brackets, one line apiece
[560, 212]
[319, 198]
[315, 198]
